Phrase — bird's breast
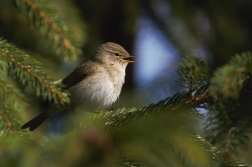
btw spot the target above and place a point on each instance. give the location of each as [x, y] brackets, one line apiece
[97, 91]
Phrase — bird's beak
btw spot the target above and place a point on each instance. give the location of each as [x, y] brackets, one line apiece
[129, 57]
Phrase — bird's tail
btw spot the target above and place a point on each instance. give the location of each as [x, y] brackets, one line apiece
[35, 122]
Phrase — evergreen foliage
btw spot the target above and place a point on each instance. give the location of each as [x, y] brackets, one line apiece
[229, 80]
[161, 134]
[194, 72]
[30, 73]
[53, 25]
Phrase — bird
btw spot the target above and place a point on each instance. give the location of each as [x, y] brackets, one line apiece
[96, 83]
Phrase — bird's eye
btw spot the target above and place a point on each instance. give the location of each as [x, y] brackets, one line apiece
[117, 54]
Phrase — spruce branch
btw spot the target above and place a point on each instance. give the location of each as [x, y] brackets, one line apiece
[229, 119]
[237, 163]
[10, 120]
[160, 136]
[31, 73]
[194, 72]
[130, 162]
[69, 11]
[214, 153]
[228, 125]
[9, 91]
[228, 80]
[44, 16]
[179, 102]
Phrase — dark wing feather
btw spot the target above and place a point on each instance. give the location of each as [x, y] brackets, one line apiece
[82, 71]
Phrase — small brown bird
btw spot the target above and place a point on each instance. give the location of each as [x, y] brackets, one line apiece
[96, 83]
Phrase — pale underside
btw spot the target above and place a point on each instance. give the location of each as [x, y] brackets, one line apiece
[97, 91]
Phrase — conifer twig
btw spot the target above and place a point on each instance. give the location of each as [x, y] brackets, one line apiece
[10, 125]
[53, 27]
[49, 21]
[14, 94]
[30, 73]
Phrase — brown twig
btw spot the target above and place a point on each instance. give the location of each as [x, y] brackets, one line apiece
[8, 121]
[28, 70]
[50, 22]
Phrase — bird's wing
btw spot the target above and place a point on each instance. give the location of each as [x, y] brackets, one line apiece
[82, 71]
